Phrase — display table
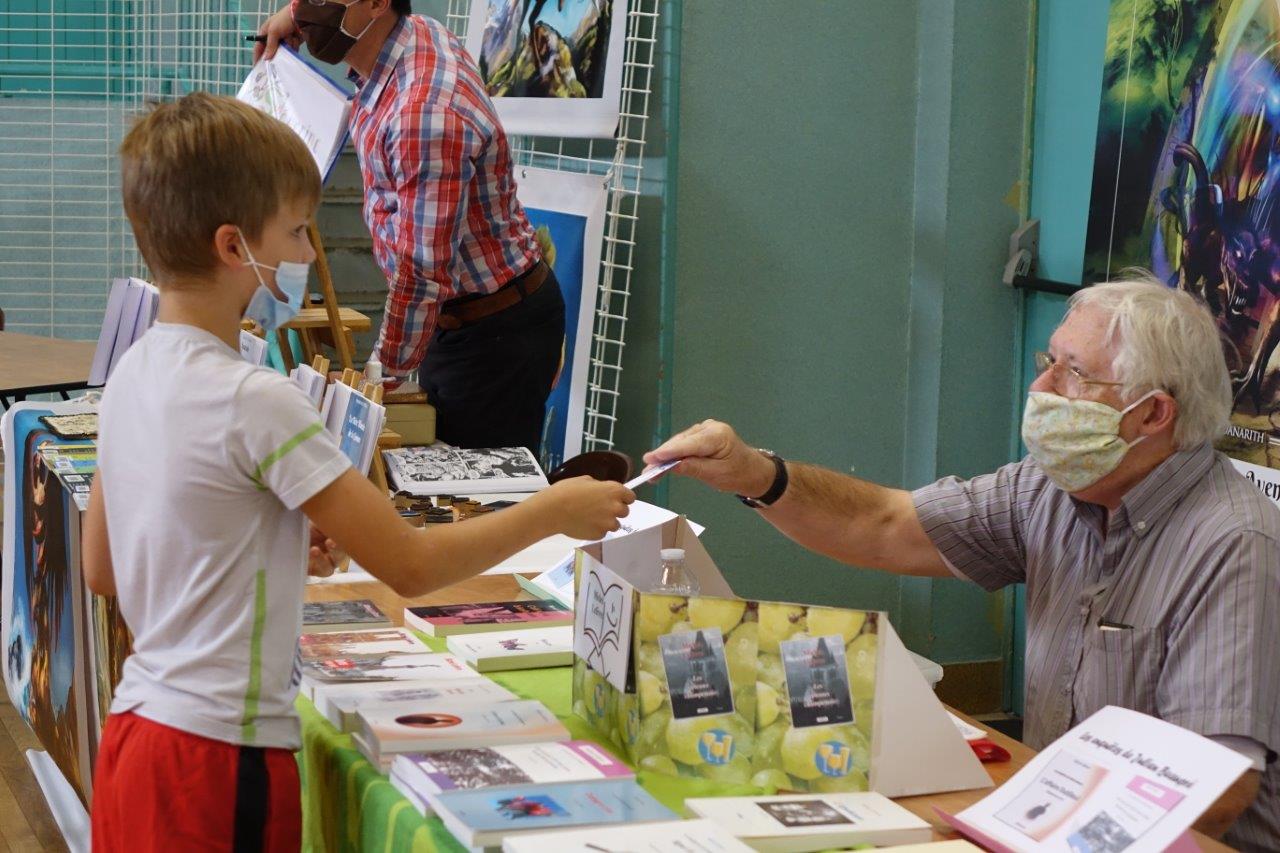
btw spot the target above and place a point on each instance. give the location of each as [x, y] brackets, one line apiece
[35, 365]
[348, 805]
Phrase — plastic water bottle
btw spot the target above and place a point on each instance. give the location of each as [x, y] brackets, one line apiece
[675, 579]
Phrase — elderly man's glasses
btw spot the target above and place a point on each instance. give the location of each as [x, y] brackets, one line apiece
[1071, 375]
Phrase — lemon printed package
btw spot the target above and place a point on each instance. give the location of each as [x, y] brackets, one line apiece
[782, 696]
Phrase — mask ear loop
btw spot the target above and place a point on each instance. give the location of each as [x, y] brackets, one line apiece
[1129, 408]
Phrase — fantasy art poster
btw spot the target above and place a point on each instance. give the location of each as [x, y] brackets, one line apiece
[552, 67]
[43, 604]
[1187, 178]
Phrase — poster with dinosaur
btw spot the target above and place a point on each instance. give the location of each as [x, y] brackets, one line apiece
[552, 67]
[1186, 180]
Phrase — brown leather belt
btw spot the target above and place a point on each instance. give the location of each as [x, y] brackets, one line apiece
[457, 313]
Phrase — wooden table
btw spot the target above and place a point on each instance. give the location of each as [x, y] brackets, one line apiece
[35, 365]
[505, 588]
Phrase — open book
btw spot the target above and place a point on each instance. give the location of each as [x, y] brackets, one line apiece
[313, 106]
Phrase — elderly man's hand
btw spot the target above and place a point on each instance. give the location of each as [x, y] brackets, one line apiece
[713, 453]
[278, 28]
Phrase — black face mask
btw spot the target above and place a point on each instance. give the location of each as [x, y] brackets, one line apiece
[321, 27]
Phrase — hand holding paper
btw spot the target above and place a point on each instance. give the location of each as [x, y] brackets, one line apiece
[713, 453]
[653, 472]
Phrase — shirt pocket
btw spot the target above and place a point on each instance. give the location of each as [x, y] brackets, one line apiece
[1119, 667]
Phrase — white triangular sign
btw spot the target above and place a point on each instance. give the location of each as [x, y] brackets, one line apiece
[915, 747]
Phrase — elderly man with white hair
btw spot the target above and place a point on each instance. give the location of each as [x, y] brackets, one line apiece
[1152, 567]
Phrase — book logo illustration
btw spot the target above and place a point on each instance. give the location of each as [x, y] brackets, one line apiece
[833, 758]
[793, 813]
[429, 721]
[602, 621]
[512, 645]
[716, 746]
[535, 806]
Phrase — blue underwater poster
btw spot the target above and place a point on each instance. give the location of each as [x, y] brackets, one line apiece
[566, 211]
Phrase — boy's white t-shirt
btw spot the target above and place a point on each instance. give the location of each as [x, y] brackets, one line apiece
[204, 460]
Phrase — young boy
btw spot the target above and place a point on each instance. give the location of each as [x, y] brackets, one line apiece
[209, 470]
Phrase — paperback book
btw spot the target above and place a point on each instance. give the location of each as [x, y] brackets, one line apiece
[338, 703]
[375, 668]
[450, 619]
[436, 725]
[685, 836]
[804, 822]
[485, 817]
[527, 649]
[321, 616]
[425, 775]
[371, 641]
[444, 470]
[490, 616]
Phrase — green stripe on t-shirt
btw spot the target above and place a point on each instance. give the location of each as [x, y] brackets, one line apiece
[280, 452]
[248, 728]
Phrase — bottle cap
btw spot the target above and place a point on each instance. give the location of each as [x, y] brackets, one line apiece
[671, 554]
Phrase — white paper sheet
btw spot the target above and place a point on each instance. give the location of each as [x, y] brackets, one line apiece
[1120, 780]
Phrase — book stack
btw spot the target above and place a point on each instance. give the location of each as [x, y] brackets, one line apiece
[311, 381]
[803, 822]
[253, 349]
[455, 619]
[131, 309]
[528, 649]
[323, 616]
[444, 470]
[383, 732]
[355, 421]
[424, 776]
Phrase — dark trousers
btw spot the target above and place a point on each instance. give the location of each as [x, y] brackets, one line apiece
[489, 381]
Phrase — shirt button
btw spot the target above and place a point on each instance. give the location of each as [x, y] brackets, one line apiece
[1140, 526]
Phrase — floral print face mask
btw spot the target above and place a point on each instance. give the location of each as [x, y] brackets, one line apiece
[1075, 442]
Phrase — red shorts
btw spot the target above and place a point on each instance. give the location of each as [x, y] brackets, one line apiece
[157, 788]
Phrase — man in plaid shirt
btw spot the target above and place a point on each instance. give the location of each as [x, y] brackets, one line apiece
[471, 304]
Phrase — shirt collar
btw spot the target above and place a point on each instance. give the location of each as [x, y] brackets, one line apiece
[1167, 483]
[398, 40]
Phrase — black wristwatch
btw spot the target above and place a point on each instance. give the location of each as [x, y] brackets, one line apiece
[779, 483]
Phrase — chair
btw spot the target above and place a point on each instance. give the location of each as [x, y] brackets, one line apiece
[597, 464]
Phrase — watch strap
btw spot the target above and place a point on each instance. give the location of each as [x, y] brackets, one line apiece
[775, 490]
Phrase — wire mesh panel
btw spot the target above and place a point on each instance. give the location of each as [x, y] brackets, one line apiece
[73, 73]
[622, 159]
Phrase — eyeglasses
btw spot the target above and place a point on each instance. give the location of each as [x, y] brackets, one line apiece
[1045, 362]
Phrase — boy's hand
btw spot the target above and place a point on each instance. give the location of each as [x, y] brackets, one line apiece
[323, 556]
[583, 508]
[278, 28]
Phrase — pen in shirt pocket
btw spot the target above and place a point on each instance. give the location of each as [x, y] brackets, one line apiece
[1107, 625]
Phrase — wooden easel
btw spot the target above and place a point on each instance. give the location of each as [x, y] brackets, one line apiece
[341, 322]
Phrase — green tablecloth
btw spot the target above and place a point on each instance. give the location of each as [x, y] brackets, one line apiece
[347, 805]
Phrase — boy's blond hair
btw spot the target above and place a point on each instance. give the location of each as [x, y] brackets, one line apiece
[192, 165]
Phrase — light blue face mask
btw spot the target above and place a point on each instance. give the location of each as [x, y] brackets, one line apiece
[264, 308]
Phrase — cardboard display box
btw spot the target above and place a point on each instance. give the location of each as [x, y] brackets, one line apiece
[783, 696]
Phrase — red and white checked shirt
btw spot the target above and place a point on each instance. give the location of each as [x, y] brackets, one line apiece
[440, 196]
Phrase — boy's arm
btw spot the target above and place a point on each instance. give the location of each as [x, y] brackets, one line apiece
[95, 556]
[414, 561]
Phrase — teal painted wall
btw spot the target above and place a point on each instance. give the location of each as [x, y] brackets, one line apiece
[840, 228]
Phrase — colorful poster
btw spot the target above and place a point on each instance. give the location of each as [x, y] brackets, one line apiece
[42, 612]
[1186, 180]
[567, 210]
[552, 68]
